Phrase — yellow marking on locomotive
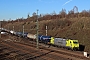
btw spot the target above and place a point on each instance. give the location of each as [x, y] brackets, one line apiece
[72, 43]
[52, 40]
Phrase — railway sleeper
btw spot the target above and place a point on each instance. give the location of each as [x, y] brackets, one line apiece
[38, 56]
[1, 49]
[25, 57]
[8, 56]
[7, 53]
[15, 56]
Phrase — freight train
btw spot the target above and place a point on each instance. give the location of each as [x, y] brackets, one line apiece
[66, 43]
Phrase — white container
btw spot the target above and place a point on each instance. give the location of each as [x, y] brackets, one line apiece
[31, 36]
[3, 32]
[11, 32]
[85, 54]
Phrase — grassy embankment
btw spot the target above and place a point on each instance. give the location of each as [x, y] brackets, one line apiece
[74, 28]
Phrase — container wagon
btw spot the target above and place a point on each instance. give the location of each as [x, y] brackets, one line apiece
[31, 36]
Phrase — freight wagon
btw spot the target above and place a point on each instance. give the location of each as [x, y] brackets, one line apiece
[21, 34]
[31, 36]
[44, 39]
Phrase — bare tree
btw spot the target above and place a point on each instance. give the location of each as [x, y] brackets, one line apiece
[28, 15]
[63, 13]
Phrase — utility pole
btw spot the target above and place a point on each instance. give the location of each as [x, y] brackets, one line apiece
[1, 29]
[23, 30]
[37, 30]
[46, 30]
[8, 27]
[13, 28]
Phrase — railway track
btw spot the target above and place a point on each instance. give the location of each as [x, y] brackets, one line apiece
[40, 53]
[76, 54]
[32, 52]
[26, 50]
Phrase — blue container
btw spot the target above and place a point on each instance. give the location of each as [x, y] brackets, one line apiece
[44, 39]
[24, 35]
[19, 33]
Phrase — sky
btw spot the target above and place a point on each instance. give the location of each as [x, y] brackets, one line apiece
[13, 9]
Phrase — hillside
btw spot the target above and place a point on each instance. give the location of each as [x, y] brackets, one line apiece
[73, 28]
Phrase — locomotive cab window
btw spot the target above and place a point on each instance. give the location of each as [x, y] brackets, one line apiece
[75, 42]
